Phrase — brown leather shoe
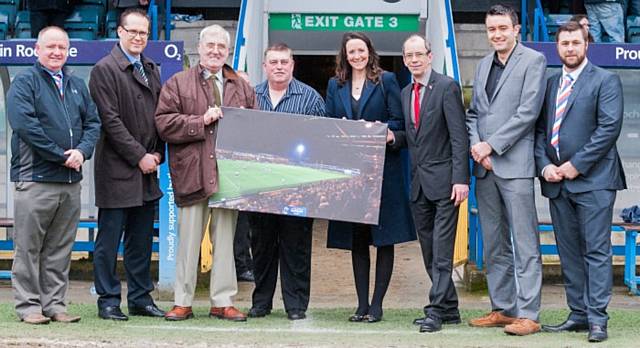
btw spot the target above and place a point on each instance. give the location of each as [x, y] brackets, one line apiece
[36, 319]
[522, 327]
[65, 318]
[178, 313]
[227, 313]
[493, 319]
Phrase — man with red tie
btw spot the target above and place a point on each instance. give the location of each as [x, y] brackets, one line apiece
[436, 136]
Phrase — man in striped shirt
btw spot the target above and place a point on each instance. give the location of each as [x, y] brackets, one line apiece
[279, 238]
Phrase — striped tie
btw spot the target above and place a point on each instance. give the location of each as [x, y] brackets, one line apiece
[57, 78]
[561, 106]
[140, 69]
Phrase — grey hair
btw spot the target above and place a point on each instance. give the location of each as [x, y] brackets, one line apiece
[216, 29]
[48, 29]
[427, 44]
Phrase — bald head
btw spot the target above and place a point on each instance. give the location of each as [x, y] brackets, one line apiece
[52, 48]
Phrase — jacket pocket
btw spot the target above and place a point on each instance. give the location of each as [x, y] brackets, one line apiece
[186, 174]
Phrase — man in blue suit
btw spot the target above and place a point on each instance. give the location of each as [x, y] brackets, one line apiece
[580, 170]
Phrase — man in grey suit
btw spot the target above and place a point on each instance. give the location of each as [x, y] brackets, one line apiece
[580, 170]
[439, 149]
[507, 97]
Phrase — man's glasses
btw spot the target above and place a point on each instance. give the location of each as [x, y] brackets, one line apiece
[133, 33]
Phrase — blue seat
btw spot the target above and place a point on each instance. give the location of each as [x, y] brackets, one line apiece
[97, 8]
[554, 21]
[633, 29]
[112, 24]
[10, 7]
[4, 25]
[83, 23]
[22, 28]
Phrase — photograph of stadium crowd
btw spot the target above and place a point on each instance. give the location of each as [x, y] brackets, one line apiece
[300, 165]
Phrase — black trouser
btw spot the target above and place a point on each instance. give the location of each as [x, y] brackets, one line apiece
[137, 225]
[285, 240]
[436, 223]
[45, 18]
[242, 243]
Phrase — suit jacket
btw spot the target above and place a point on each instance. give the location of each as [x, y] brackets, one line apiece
[395, 223]
[439, 147]
[127, 109]
[184, 99]
[507, 119]
[588, 133]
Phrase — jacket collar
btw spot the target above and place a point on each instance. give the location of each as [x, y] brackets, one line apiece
[227, 72]
[66, 72]
[123, 62]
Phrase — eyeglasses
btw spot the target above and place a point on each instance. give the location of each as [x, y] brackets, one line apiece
[133, 33]
[416, 55]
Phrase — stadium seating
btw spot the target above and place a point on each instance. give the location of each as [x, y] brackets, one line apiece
[83, 23]
[112, 25]
[4, 25]
[554, 21]
[22, 28]
[9, 7]
[633, 29]
[98, 9]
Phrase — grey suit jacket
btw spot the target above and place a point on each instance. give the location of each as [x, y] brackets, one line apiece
[507, 119]
[439, 148]
[588, 133]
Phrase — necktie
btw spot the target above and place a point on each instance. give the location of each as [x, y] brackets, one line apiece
[416, 104]
[140, 69]
[561, 106]
[216, 91]
[57, 78]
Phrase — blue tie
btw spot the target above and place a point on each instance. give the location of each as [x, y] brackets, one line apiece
[140, 69]
[57, 78]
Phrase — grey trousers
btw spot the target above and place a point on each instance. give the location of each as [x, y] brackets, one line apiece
[192, 221]
[511, 245]
[46, 219]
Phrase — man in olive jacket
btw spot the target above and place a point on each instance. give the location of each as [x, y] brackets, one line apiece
[125, 86]
[186, 118]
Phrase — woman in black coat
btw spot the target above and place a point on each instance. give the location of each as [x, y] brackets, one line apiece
[361, 90]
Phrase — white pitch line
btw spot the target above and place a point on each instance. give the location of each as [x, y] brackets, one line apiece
[310, 330]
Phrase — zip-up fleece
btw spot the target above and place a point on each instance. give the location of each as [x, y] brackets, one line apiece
[45, 125]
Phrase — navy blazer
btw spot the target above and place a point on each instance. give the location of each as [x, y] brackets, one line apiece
[395, 224]
[588, 133]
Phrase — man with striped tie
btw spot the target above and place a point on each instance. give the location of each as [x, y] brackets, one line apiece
[55, 127]
[580, 172]
[125, 85]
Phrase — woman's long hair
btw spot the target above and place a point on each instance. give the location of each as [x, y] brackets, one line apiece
[343, 68]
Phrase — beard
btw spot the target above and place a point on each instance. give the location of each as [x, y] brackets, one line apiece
[574, 64]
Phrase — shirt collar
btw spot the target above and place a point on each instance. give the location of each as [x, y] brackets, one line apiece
[576, 73]
[424, 80]
[131, 58]
[52, 73]
[206, 74]
[293, 88]
[497, 61]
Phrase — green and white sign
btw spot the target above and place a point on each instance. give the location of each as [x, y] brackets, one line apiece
[342, 22]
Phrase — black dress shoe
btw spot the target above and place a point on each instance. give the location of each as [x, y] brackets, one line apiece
[446, 320]
[113, 313]
[597, 333]
[372, 318]
[431, 324]
[296, 315]
[356, 318]
[147, 311]
[256, 312]
[568, 326]
[246, 276]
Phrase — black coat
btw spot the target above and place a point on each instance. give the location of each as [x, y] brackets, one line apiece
[127, 109]
[395, 223]
[39, 5]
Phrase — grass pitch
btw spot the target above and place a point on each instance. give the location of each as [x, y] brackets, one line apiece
[238, 178]
[323, 328]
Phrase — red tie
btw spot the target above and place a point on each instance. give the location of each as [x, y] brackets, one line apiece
[416, 103]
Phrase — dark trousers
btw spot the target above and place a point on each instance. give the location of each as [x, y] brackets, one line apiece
[582, 224]
[436, 223]
[42, 19]
[136, 224]
[242, 243]
[283, 240]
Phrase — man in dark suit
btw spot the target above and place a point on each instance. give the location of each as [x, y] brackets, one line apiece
[439, 149]
[125, 86]
[580, 170]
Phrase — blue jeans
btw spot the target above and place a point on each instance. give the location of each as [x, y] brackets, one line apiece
[607, 16]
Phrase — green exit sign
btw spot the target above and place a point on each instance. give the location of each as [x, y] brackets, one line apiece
[342, 22]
